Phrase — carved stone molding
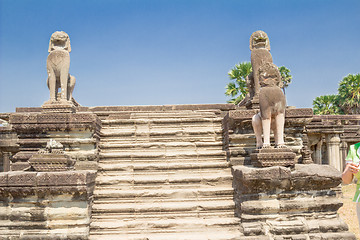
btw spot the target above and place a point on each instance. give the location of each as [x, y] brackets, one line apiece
[267, 157]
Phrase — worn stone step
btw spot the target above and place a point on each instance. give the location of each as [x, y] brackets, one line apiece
[178, 132]
[168, 224]
[157, 129]
[215, 108]
[161, 120]
[104, 193]
[194, 159]
[194, 206]
[195, 234]
[243, 137]
[162, 215]
[105, 145]
[222, 182]
[170, 114]
[175, 177]
[151, 201]
[133, 139]
[161, 155]
[161, 166]
[150, 128]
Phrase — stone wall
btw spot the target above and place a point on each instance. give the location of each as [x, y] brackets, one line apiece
[280, 203]
[47, 205]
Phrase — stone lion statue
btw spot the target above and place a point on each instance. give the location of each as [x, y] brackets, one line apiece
[260, 54]
[272, 107]
[58, 64]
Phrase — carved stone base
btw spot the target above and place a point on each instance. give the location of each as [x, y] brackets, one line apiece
[267, 157]
[50, 162]
[59, 107]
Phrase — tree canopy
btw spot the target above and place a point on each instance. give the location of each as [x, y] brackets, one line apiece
[347, 101]
[237, 88]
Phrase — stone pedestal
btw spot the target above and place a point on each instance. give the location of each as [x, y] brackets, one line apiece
[279, 203]
[59, 107]
[267, 157]
[50, 162]
[51, 205]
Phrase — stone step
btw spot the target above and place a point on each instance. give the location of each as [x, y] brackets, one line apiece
[161, 121]
[134, 139]
[168, 173]
[105, 144]
[153, 129]
[156, 133]
[160, 165]
[151, 161]
[191, 234]
[206, 191]
[160, 177]
[164, 224]
[152, 201]
[131, 155]
[223, 182]
[162, 215]
[174, 114]
[172, 206]
[215, 108]
[243, 137]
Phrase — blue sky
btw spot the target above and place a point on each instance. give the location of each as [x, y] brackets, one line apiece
[156, 52]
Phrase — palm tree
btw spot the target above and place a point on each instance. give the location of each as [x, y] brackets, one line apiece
[285, 77]
[238, 89]
[239, 74]
[349, 92]
[326, 105]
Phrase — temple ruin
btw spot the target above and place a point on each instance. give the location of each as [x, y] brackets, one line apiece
[167, 172]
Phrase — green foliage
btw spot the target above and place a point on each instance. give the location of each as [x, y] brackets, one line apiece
[347, 101]
[349, 92]
[238, 86]
[237, 89]
[326, 105]
[285, 77]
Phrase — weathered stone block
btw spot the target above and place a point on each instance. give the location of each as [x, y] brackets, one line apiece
[252, 228]
[255, 180]
[315, 177]
[269, 206]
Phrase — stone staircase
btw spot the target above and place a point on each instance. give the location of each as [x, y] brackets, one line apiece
[163, 175]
